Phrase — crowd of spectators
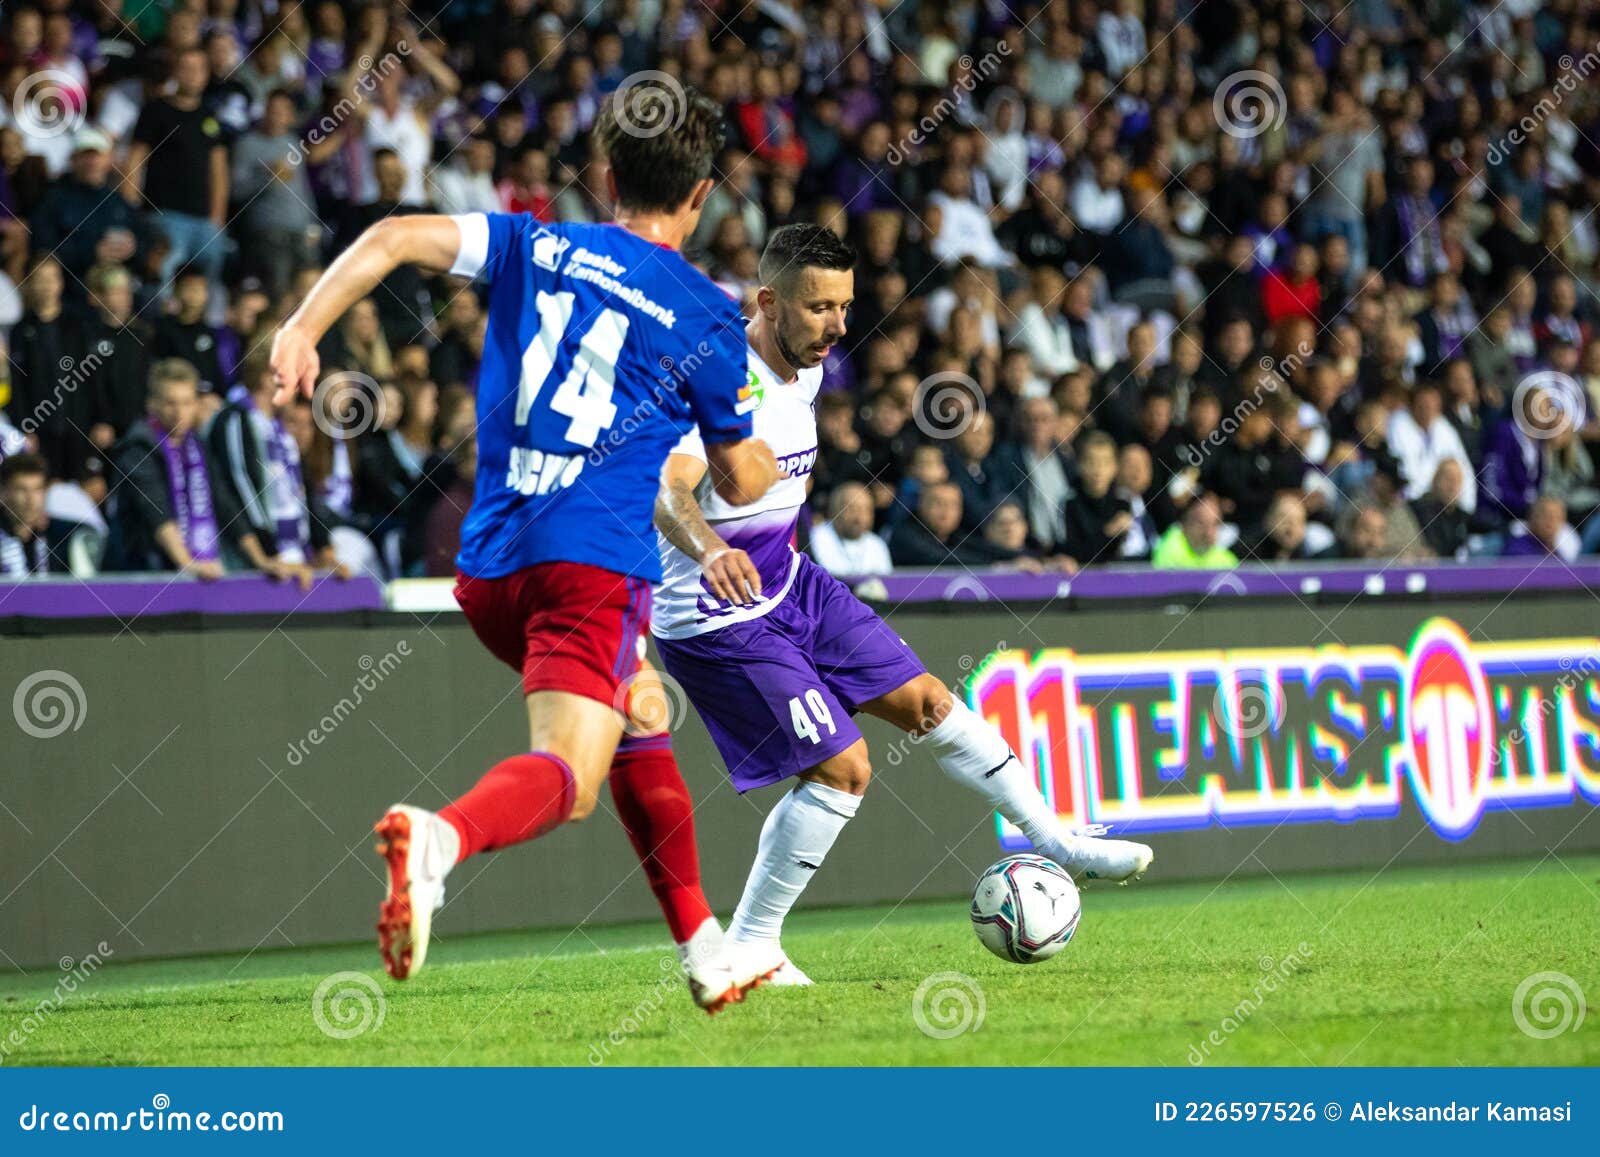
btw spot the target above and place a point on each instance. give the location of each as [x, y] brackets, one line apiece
[1187, 282]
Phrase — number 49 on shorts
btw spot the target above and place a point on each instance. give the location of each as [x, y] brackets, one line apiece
[809, 715]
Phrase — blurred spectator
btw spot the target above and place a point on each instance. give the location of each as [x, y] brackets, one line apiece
[1098, 518]
[1446, 527]
[934, 536]
[978, 469]
[1545, 534]
[1191, 543]
[78, 222]
[1421, 437]
[1383, 496]
[164, 515]
[278, 227]
[845, 543]
[1288, 536]
[31, 541]
[187, 183]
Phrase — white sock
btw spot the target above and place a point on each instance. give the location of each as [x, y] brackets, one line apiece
[794, 842]
[974, 753]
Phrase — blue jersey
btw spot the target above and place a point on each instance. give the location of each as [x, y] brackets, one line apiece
[602, 350]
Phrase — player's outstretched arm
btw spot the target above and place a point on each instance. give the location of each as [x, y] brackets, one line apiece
[741, 472]
[427, 240]
[729, 572]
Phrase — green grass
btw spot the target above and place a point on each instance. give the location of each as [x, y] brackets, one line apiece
[1413, 966]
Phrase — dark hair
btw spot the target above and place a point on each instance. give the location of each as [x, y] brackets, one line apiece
[19, 464]
[796, 247]
[660, 139]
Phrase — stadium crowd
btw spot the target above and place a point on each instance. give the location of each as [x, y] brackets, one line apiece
[1191, 283]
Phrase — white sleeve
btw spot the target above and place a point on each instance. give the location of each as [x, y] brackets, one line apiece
[691, 444]
[474, 251]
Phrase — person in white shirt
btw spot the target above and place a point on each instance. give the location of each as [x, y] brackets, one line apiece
[1097, 203]
[1041, 328]
[1422, 437]
[465, 183]
[1121, 37]
[846, 544]
[965, 229]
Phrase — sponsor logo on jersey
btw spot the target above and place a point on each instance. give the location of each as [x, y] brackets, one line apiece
[548, 248]
[1167, 740]
[751, 394]
[800, 464]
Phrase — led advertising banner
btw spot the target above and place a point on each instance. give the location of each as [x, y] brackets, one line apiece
[1162, 741]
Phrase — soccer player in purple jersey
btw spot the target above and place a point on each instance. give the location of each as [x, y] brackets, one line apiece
[576, 414]
[777, 655]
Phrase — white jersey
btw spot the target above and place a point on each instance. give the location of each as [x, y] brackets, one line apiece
[784, 417]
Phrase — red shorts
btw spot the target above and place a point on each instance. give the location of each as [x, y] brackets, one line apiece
[566, 626]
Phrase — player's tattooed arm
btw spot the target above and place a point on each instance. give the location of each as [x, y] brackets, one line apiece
[430, 241]
[728, 570]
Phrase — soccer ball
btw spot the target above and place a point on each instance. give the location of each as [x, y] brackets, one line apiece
[1025, 909]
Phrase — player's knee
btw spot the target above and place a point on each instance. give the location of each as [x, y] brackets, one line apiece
[850, 772]
[934, 702]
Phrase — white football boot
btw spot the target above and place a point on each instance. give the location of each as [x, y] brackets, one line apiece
[789, 976]
[758, 962]
[419, 849]
[706, 966]
[1088, 856]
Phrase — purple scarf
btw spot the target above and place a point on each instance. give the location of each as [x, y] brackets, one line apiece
[1421, 236]
[286, 487]
[189, 488]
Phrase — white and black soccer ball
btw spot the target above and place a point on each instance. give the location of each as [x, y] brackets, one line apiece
[1025, 908]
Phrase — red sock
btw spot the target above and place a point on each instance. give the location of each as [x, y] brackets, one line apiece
[654, 806]
[518, 799]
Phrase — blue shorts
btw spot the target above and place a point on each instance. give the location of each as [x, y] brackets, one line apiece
[777, 692]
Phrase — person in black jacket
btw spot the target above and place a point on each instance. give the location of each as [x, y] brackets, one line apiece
[32, 542]
[260, 484]
[162, 520]
[1097, 516]
[81, 220]
[50, 397]
[1249, 469]
[122, 345]
[185, 334]
[935, 538]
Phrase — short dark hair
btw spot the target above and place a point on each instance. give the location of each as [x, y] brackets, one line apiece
[19, 464]
[796, 247]
[660, 139]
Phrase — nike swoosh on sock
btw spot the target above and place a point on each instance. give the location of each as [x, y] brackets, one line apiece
[997, 768]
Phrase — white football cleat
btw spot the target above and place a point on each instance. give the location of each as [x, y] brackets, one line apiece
[414, 848]
[1087, 855]
[789, 976]
[757, 962]
[707, 967]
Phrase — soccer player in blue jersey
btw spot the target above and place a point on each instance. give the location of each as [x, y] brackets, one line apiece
[777, 655]
[604, 347]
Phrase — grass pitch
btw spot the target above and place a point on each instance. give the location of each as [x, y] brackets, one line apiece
[1411, 966]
